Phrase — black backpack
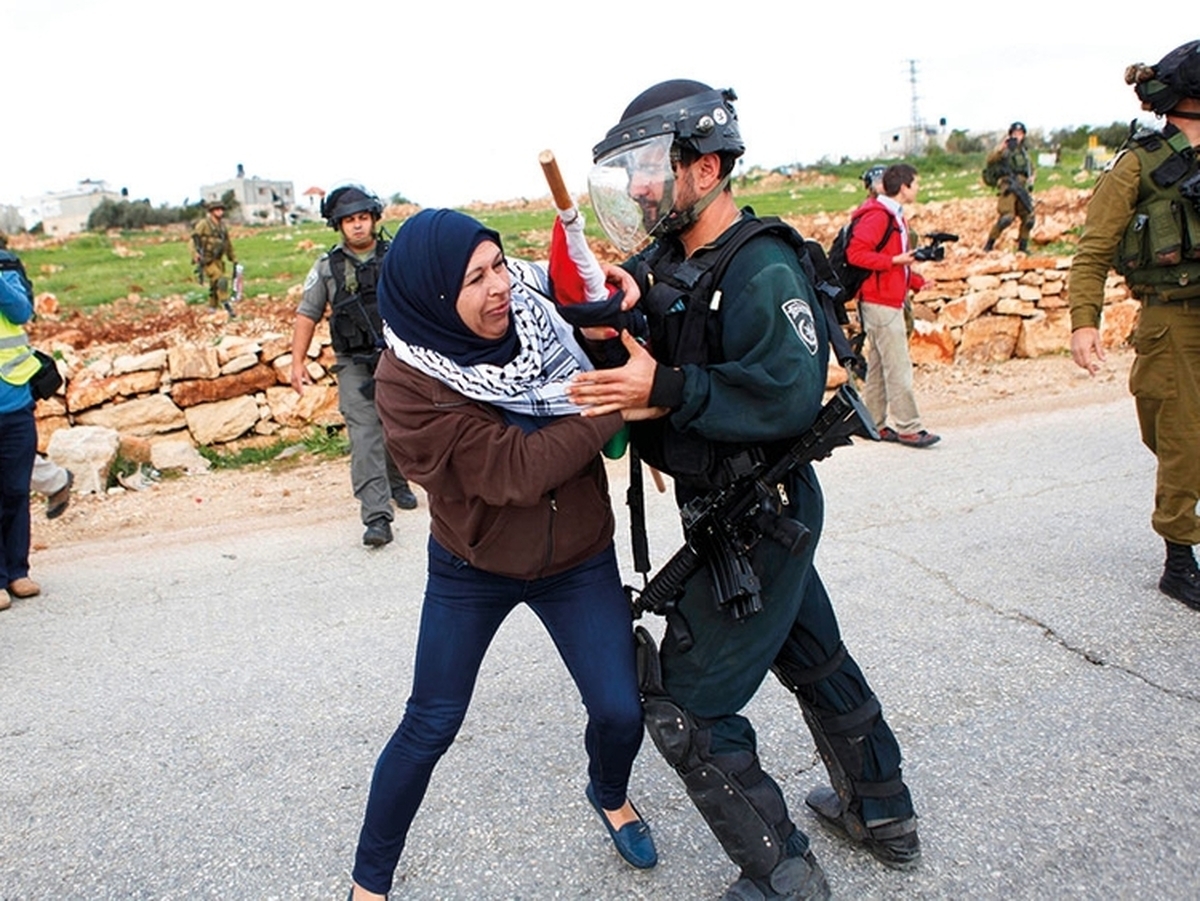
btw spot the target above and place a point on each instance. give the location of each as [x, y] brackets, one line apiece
[851, 277]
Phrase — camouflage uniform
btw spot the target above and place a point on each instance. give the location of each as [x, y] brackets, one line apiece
[1165, 379]
[1009, 207]
[211, 244]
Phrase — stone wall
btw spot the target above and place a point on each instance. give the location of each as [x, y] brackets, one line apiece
[993, 309]
[236, 391]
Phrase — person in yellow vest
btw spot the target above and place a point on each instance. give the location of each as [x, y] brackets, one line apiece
[1144, 218]
[211, 246]
[18, 431]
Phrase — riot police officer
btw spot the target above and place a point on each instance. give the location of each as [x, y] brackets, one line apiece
[739, 368]
[343, 282]
[1144, 215]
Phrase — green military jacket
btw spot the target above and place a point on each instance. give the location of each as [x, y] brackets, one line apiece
[1150, 234]
[211, 241]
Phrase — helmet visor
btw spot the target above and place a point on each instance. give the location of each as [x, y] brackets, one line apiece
[632, 188]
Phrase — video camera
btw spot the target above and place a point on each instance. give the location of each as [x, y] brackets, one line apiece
[934, 251]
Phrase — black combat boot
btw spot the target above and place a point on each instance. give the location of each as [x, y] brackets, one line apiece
[793, 879]
[894, 844]
[1023, 246]
[990, 245]
[1181, 577]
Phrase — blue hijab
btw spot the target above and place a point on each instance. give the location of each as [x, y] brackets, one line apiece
[419, 283]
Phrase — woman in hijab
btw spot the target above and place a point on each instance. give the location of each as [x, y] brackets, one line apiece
[470, 393]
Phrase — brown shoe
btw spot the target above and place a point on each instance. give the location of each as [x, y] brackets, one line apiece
[24, 588]
[918, 439]
[5, 600]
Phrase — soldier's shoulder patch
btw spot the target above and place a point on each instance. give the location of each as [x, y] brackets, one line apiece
[311, 281]
[800, 315]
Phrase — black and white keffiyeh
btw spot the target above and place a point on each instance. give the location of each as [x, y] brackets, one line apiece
[532, 382]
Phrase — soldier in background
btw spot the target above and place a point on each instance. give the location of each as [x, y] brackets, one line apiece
[211, 246]
[1145, 215]
[342, 281]
[1015, 180]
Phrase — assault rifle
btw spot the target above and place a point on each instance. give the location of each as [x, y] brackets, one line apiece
[1019, 191]
[199, 247]
[722, 527]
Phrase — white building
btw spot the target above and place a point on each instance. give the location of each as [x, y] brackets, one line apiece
[66, 212]
[260, 200]
[910, 140]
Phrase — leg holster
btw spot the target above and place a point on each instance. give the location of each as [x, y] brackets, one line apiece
[742, 805]
[839, 737]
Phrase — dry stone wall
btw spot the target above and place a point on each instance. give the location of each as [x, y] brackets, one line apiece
[235, 391]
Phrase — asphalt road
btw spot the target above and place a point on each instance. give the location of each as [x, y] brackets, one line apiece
[199, 718]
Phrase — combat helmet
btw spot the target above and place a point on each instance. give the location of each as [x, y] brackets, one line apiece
[1177, 75]
[346, 200]
[872, 176]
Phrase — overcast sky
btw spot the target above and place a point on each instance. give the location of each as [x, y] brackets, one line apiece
[447, 105]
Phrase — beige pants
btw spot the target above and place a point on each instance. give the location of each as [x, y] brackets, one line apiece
[889, 386]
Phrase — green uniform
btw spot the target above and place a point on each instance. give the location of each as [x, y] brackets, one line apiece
[1126, 228]
[210, 241]
[759, 383]
[1010, 206]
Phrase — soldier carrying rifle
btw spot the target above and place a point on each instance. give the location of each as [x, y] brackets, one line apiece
[211, 246]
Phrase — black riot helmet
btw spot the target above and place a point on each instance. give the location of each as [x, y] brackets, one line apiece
[1016, 126]
[699, 118]
[1177, 75]
[346, 200]
[632, 183]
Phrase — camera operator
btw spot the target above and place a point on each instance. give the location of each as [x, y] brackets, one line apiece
[884, 296]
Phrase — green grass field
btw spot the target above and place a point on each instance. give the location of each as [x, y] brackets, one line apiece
[96, 268]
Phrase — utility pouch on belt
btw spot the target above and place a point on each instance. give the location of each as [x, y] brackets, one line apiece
[47, 379]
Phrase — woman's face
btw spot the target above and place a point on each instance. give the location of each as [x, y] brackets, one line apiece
[486, 291]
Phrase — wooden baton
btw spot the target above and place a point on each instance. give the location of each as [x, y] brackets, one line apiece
[558, 189]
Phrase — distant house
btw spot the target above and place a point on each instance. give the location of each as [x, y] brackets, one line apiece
[910, 140]
[66, 212]
[260, 199]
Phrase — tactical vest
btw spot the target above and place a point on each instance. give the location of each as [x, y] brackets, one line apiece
[682, 301]
[17, 361]
[1159, 253]
[211, 239]
[1018, 162]
[354, 323]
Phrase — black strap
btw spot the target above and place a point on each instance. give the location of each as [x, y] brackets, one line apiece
[635, 499]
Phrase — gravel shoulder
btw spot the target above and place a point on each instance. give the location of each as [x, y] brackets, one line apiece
[315, 490]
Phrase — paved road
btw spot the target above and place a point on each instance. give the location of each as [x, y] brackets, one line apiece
[201, 721]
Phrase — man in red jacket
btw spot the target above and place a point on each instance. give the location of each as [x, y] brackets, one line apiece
[881, 244]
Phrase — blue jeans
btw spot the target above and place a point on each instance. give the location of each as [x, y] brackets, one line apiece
[18, 444]
[587, 615]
